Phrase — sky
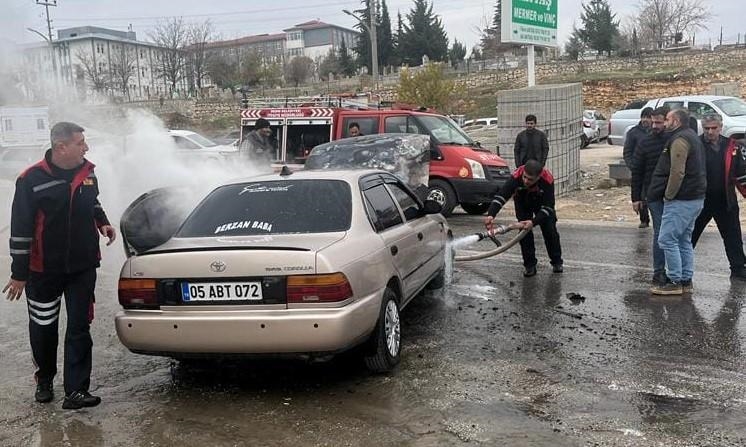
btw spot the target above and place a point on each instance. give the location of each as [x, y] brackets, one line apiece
[462, 19]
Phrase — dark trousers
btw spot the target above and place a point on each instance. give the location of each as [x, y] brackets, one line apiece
[551, 239]
[729, 226]
[644, 214]
[44, 297]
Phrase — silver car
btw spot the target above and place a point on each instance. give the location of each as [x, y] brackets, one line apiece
[311, 262]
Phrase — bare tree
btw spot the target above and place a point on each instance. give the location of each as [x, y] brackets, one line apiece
[662, 21]
[198, 36]
[123, 69]
[97, 77]
[171, 36]
[299, 69]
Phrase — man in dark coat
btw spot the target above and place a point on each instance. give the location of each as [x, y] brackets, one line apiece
[530, 144]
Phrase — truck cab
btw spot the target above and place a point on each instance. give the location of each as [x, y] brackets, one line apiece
[461, 171]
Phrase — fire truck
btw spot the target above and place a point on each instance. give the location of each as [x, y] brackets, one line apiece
[461, 171]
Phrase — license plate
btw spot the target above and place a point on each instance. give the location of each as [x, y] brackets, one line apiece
[221, 291]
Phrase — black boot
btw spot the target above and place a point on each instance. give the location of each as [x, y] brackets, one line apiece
[80, 399]
[529, 271]
[44, 392]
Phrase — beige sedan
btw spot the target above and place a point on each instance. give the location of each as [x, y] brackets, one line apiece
[311, 263]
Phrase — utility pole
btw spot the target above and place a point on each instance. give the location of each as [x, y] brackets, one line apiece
[721, 36]
[47, 4]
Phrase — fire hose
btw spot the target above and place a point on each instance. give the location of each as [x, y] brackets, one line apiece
[501, 248]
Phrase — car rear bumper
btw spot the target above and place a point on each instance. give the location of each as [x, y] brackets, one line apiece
[476, 191]
[281, 331]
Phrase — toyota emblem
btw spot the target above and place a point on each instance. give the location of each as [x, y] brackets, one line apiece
[217, 266]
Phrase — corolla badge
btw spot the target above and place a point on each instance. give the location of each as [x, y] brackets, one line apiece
[217, 266]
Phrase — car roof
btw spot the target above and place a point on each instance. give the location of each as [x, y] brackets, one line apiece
[181, 133]
[347, 175]
[699, 97]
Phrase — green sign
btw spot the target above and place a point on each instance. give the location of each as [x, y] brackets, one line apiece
[532, 22]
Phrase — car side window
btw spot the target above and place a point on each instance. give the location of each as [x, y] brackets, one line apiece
[700, 109]
[183, 143]
[403, 124]
[673, 105]
[407, 203]
[368, 125]
[385, 214]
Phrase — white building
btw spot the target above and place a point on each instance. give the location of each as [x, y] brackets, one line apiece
[315, 39]
[95, 62]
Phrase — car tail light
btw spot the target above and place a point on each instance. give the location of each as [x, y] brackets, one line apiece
[318, 288]
[586, 124]
[138, 293]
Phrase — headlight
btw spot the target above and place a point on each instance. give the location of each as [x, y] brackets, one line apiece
[477, 171]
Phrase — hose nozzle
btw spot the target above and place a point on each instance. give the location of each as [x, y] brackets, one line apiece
[488, 235]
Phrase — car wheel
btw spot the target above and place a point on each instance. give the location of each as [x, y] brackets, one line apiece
[385, 342]
[584, 141]
[442, 192]
[475, 208]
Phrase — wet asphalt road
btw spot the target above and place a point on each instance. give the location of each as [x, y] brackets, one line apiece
[492, 359]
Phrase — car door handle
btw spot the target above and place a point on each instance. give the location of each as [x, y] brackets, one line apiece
[394, 250]
[420, 236]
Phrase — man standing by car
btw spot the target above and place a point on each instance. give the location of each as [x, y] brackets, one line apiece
[530, 144]
[532, 188]
[643, 163]
[726, 162]
[680, 180]
[54, 244]
[257, 146]
[631, 141]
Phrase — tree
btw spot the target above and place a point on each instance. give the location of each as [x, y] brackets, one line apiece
[491, 38]
[575, 45]
[428, 88]
[476, 53]
[396, 59]
[271, 74]
[330, 65]
[123, 68]
[660, 21]
[171, 36]
[246, 70]
[298, 70]
[346, 63]
[600, 29]
[96, 77]
[384, 37]
[423, 36]
[198, 36]
[457, 53]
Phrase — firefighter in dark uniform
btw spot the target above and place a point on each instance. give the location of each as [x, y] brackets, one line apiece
[726, 171]
[54, 243]
[532, 188]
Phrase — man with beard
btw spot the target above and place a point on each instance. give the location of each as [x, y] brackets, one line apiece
[726, 164]
[634, 136]
[642, 164]
[530, 144]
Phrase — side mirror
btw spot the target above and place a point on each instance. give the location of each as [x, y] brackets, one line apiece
[432, 207]
[435, 153]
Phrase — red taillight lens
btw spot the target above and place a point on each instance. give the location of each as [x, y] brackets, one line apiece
[137, 293]
[586, 124]
[318, 288]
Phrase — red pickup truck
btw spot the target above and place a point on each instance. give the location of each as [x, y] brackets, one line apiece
[461, 171]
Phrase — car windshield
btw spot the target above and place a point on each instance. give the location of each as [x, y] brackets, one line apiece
[731, 106]
[444, 130]
[272, 207]
[588, 114]
[202, 141]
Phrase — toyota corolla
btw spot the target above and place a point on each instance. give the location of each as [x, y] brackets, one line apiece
[305, 263]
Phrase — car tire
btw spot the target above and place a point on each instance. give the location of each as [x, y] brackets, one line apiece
[385, 342]
[443, 193]
[584, 141]
[439, 281]
[475, 209]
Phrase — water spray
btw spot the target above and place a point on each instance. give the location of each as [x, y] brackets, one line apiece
[491, 235]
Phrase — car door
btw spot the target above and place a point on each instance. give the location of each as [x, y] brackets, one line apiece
[426, 247]
[699, 110]
[398, 238]
[602, 124]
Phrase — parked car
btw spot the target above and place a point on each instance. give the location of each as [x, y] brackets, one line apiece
[731, 109]
[192, 144]
[14, 161]
[595, 127]
[230, 138]
[480, 122]
[305, 263]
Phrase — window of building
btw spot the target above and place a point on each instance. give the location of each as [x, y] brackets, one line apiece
[40, 125]
[8, 124]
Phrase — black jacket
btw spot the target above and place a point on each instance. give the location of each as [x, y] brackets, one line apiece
[54, 222]
[734, 165]
[530, 145]
[538, 199]
[634, 136]
[644, 160]
[694, 184]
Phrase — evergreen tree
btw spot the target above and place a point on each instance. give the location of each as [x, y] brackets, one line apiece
[396, 59]
[384, 37]
[600, 30]
[363, 41]
[575, 45]
[347, 66]
[330, 65]
[423, 36]
[457, 53]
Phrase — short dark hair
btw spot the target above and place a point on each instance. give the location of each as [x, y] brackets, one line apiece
[532, 168]
[261, 123]
[682, 115]
[63, 131]
[353, 124]
[660, 111]
[647, 112]
[531, 118]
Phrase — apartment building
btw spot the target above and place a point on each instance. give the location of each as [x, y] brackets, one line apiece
[315, 39]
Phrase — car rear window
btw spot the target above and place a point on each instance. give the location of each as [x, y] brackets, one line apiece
[272, 207]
